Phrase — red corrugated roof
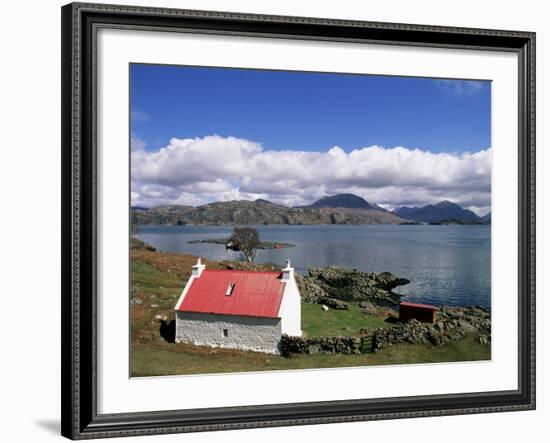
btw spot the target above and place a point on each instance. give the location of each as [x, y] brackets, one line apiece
[256, 294]
[416, 305]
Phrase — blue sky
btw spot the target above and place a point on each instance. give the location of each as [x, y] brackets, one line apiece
[309, 111]
[216, 134]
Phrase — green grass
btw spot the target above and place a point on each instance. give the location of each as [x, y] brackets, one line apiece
[153, 286]
[152, 279]
[173, 359]
[158, 292]
[316, 322]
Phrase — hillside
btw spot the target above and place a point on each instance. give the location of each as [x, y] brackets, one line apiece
[262, 212]
[439, 212]
[349, 201]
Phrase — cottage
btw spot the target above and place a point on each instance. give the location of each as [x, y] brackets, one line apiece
[246, 310]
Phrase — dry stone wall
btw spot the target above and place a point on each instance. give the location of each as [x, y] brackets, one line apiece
[315, 345]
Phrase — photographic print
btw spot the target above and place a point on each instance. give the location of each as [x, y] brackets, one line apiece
[297, 220]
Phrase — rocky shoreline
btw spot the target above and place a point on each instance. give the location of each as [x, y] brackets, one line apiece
[321, 285]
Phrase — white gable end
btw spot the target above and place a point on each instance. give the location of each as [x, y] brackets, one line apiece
[290, 311]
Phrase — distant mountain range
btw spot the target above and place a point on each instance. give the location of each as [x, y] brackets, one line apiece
[336, 209]
[444, 211]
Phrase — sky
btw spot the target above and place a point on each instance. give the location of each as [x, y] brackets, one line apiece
[215, 134]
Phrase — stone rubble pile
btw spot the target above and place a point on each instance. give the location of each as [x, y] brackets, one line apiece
[452, 324]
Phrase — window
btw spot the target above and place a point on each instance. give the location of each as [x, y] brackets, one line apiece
[230, 288]
[225, 332]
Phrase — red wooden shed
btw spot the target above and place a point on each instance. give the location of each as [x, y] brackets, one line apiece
[419, 311]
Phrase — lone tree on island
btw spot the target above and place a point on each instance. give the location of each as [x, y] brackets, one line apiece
[245, 240]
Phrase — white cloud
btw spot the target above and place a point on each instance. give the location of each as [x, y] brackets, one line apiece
[139, 117]
[137, 144]
[461, 87]
[201, 170]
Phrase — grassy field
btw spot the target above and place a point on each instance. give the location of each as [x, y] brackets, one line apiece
[157, 282]
[316, 322]
[172, 359]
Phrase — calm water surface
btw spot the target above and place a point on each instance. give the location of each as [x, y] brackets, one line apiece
[447, 265]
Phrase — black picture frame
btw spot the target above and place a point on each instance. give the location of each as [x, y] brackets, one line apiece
[79, 175]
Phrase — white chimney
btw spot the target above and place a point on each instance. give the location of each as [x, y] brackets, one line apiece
[288, 272]
[198, 268]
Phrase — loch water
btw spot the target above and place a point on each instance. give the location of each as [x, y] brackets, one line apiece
[446, 264]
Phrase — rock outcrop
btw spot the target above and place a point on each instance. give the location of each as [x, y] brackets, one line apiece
[310, 291]
[350, 286]
[334, 303]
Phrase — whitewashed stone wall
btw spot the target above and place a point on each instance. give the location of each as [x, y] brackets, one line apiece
[245, 333]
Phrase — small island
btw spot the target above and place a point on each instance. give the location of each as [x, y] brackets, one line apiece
[234, 246]
[246, 241]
